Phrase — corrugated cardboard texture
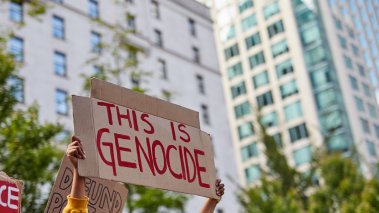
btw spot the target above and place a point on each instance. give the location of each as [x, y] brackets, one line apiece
[105, 196]
[119, 95]
[83, 127]
[105, 155]
[14, 183]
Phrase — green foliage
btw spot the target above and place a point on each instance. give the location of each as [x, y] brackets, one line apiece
[149, 200]
[343, 188]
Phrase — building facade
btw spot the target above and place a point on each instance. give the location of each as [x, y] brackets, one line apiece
[179, 54]
[298, 63]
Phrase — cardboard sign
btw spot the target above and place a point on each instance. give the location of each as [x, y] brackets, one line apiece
[132, 146]
[10, 194]
[104, 195]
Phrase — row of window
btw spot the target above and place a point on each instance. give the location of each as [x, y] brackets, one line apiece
[253, 172]
[255, 39]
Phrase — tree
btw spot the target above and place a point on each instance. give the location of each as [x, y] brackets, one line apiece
[283, 189]
[26, 149]
[118, 59]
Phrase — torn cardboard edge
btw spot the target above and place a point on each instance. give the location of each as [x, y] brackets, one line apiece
[125, 97]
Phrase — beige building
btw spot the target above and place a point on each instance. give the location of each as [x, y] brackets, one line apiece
[302, 65]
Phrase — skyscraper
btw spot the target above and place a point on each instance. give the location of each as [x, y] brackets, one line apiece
[301, 65]
[179, 53]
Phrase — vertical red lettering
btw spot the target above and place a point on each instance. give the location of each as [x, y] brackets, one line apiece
[123, 116]
[144, 117]
[186, 154]
[148, 156]
[124, 149]
[199, 168]
[173, 131]
[181, 128]
[181, 155]
[155, 144]
[176, 175]
[100, 151]
[109, 110]
[135, 121]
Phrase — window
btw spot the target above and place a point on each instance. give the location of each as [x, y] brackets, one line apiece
[315, 56]
[58, 1]
[60, 64]
[158, 38]
[252, 173]
[131, 22]
[245, 130]
[302, 155]
[298, 132]
[355, 50]
[332, 121]
[242, 109]
[337, 23]
[93, 9]
[293, 111]
[376, 130]
[366, 90]
[348, 62]
[16, 48]
[249, 22]
[200, 84]
[278, 139]
[359, 104]
[231, 51]
[371, 148]
[265, 99]
[310, 36]
[58, 27]
[365, 126]
[244, 5]
[195, 55]
[260, 79]
[95, 42]
[235, 70]
[305, 16]
[342, 42]
[162, 67]
[288, 89]
[192, 27]
[155, 9]
[271, 9]
[351, 33]
[16, 85]
[249, 151]
[61, 103]
[15, 11]
[284, 68]
[256, 59]
[270, 119]
[238, 89]
[227, 33]
[361, 70]
[321, 77]
[252, 40]
[205, 114]
[353, 82]
[275, 28]
[373, 111]
[326, 98]
[279, 48]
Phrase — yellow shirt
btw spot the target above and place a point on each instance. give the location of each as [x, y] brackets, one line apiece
[76, 205]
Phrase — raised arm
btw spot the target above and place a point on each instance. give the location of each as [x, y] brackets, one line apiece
[77, 200]
[210, 204]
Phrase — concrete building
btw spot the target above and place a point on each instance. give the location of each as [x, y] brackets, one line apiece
[178, 50]
[365, 16]
[301, 63]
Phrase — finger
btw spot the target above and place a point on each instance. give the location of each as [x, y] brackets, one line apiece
[218, 181]
[81, 152]
[74, 138]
